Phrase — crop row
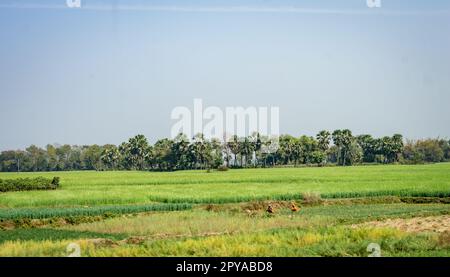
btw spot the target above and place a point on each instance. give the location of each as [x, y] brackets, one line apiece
[299, 196]
[40, 213]
[401, 193]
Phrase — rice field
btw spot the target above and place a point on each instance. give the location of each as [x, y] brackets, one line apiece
[115, 188]
[195, 213]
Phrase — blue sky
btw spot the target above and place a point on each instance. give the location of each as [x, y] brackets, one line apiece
[113, 69]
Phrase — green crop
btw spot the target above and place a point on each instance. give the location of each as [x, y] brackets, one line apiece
[40, 213]
[93, 188]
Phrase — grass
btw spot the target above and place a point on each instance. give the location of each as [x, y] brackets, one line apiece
[233, 186]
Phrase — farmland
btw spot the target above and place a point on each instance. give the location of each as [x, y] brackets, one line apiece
[104, 188]
[196, 213]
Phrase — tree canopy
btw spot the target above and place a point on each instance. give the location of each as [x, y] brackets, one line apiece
[340, 147]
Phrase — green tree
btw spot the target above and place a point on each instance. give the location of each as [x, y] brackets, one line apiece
[52, 157]
[420, 151]
[180, 152]
[287, 148]
[201, 150]
[323, 140]
[162, 154]
[354, 153]
[246, 149]
[63, 155]
[38, 158]
[256, 141]
[234, 146]
[91, 157]
[110, 156]
[135, 152]
[369, 147]
[318, 157]
[215, 159]
[308, 145]
[10, 161]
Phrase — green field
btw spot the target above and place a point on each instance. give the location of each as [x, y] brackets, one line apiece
[195, 213]
[102, 188]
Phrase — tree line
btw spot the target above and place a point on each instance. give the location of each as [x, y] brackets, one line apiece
[340, 147]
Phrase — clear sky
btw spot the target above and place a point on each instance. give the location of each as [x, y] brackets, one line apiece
[113, 69]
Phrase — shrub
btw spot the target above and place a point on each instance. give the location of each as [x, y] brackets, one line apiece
[22, 184]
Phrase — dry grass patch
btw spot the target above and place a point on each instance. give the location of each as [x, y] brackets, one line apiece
[437, 224]
[444, 239]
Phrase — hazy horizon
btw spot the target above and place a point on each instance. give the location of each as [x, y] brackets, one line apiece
[113, 69]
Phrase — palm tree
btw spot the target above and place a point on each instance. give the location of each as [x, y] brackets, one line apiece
[200, 148]
[368, 145]
[137, 151]
[256, 141]
[246, 148]
[287, 144]
[162, 154]
[343, 139]
[397, 141]
[215, 156]
[297, 150]
[110, 156]
[323, 140]
[234, 146]
[180, 152]
[227, 152]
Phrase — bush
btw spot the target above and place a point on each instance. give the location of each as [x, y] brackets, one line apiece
[22, 184]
